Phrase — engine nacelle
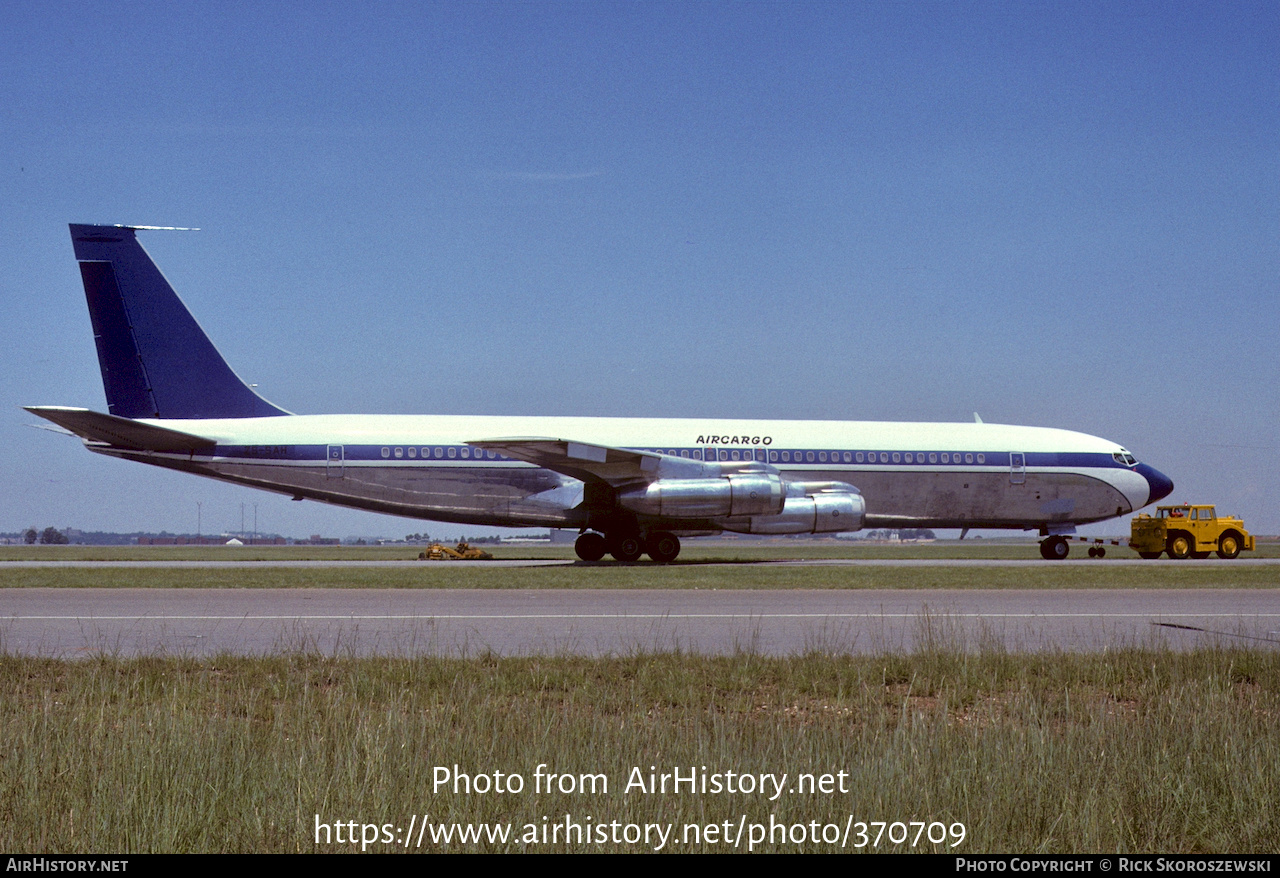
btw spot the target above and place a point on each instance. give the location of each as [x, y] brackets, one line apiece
[833, 512]
[732, 495]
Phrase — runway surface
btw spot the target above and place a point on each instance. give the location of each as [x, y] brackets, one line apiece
[65, 622]
[790, 562]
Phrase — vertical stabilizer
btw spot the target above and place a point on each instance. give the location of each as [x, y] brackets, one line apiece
[156, 361]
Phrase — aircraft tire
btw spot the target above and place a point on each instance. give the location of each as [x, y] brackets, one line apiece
[628, 548]
[1054, 549]
[663, 547]
[590, 547]
[1229, 546]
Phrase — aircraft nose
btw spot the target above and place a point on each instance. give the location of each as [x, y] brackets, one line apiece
[1159, 485]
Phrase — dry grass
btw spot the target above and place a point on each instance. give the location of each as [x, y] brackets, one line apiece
[1138, 750]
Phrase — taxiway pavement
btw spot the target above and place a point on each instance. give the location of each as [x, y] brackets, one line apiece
[69, 622]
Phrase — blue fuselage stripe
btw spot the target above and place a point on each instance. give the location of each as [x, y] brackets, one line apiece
[796, 457]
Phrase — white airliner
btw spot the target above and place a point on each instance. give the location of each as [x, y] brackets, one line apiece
[629, 485]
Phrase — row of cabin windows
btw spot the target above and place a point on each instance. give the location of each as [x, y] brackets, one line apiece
[835, 456]
[877, 457]
[466, 453]
[452, 453]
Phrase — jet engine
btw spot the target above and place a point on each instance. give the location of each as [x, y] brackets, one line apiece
[810, 508]
[737, 494]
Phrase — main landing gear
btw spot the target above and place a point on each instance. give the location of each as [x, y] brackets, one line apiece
[1054, 548]
[661, 546]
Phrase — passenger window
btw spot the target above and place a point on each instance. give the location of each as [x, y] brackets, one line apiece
[982, 458]
[684, 452]
[822, 456]
[399, 453]
[413, 452]
[858, 457]
[933, 457]
[453, 452]
[439, 453]
[848, 457]
[968, 458]
[386, 452]
[808, 455]
[884, 457]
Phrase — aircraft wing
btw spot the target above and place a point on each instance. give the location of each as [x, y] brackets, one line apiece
[122, 432]
[588, 462]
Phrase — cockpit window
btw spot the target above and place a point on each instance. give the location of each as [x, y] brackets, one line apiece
[1124, 458]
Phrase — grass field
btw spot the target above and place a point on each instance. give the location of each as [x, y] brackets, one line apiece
[1132, 751]
[648, 576]
[694, 552]
[700, 567]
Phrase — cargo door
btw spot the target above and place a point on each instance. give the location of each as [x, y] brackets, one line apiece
[336, 461]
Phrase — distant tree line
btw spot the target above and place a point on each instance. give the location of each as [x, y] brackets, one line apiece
[50, 536]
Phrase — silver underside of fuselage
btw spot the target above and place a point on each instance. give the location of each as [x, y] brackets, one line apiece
[520, 495]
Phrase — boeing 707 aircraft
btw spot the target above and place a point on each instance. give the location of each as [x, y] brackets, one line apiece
[630, 486]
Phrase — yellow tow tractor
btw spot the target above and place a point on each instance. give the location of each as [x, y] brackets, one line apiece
[1188, 531]
[463, 552]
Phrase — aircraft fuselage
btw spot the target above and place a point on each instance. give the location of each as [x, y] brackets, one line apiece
[910, 474]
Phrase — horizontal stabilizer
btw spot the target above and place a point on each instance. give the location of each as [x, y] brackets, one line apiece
[121, 432]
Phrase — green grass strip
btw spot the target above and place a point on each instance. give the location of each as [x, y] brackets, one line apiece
[649, 576]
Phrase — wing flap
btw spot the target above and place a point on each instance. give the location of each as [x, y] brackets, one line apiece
[122, 432]
[605, 464]
[584, 461]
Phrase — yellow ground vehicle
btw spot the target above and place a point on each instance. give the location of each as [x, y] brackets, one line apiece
[463, 552]
[1188, 531]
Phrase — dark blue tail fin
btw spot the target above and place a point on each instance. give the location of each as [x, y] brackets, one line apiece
[156, 360]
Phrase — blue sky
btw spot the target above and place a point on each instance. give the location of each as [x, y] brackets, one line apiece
[1053, 214]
